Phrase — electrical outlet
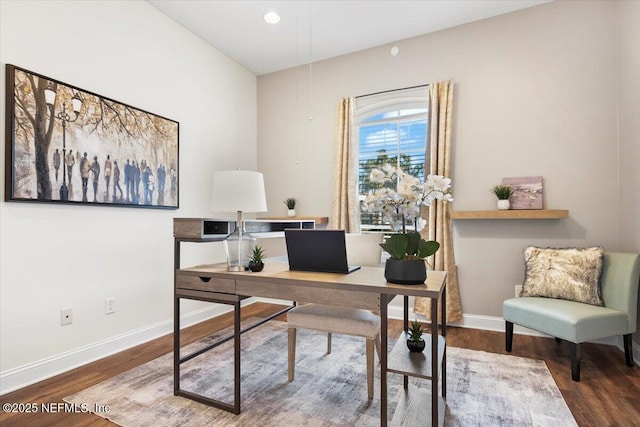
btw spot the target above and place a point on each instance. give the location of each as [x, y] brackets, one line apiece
[518, 290]
[66, 316]
[110, 305]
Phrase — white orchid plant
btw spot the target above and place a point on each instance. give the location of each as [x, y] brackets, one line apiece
[404, 205]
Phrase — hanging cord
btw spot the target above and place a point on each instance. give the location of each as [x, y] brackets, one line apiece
[297, 143]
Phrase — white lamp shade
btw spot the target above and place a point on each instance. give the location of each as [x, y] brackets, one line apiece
[49, 96]
[238, 190]
[77, 104]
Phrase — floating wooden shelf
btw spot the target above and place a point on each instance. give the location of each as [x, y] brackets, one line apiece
[512, 214]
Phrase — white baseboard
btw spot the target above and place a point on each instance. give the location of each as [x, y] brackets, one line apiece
[490, 323]
[31, 373]
[16, 378]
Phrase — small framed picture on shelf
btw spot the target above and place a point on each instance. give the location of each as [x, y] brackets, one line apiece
[527, 192]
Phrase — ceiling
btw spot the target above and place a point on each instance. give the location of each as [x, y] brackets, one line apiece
[237, 28]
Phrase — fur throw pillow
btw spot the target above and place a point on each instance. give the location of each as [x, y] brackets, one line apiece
[572, 274]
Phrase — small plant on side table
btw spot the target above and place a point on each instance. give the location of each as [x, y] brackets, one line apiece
[256, 264]
[415, 343]
[503, 193]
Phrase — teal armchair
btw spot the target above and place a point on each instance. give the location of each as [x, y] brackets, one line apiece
[576, 322]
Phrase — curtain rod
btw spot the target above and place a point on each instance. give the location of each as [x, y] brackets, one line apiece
[390, 90]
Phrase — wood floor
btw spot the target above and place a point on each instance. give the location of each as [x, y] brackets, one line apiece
[607, 395]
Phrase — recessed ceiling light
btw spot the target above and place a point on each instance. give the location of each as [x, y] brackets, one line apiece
[272, 17]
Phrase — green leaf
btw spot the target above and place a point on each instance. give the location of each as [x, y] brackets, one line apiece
[415, 331]
[428, 248]
[414, 239]
[502, 192]
[409, 246]
[396, 246]
[258, 253]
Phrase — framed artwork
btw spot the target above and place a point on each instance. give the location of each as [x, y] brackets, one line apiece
[69, 145]
[527, 192]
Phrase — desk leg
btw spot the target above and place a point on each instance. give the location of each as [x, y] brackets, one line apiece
[176, 345]
[406, 329]
[434, 361]
[443, 314]
[236, 356]
[383, 359]
[176, 320]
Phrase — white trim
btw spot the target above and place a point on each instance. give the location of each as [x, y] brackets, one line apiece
[22, 376]
[16, 378]
[486, 323]
[491, 323]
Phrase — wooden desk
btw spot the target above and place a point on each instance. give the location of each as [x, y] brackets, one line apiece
[365, 288]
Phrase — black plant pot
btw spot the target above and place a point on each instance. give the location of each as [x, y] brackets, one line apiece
[415, 346]
[405, 272]
[256, 266]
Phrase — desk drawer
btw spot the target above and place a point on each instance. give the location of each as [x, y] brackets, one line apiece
[193, 281]
[306, 294]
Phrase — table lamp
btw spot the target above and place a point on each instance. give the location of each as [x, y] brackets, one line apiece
[238, 191]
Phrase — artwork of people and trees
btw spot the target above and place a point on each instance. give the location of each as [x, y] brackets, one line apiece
[68, 145]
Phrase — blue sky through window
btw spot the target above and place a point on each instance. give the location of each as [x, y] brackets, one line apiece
[394, 137]
[408, 137]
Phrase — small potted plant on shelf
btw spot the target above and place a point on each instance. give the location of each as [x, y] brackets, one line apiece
[415, 343]
[291, 206]
[256, 264]
[503, 193]
[407, 265]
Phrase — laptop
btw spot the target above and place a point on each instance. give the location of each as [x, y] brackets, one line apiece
[317, 250]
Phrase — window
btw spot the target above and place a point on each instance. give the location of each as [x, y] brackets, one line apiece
[392, 128]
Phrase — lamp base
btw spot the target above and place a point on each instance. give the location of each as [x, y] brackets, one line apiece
[239, 247]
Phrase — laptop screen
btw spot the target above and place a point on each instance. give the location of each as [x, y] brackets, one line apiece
[317, 250]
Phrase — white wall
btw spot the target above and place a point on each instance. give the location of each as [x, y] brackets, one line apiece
[628, 15]
[56, 256]
[535, 94]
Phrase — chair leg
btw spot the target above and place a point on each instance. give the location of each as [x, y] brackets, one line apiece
[292, 353]
[508, 336]
[329, 343]
[376, 342]
[369, 352]
[575, 361]
[628, 350]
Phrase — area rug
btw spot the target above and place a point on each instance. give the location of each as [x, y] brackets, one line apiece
[483, 389]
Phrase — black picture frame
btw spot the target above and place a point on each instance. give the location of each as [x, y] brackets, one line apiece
[107, 154]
